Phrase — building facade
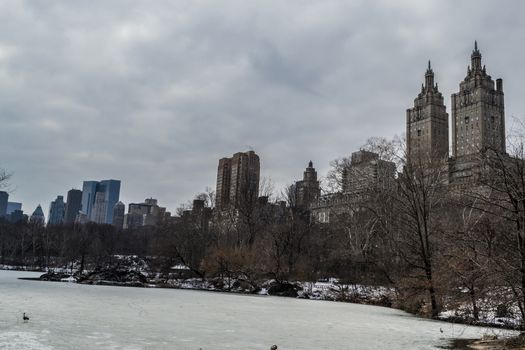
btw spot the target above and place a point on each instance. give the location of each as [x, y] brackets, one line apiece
[427, 124]
[237, 181]
[368, 173]
[73, 205]
[99, 199]
[478, 112]
[308, 189]
[365, 176]
[147, 213]
[57, 210]
[119, 211]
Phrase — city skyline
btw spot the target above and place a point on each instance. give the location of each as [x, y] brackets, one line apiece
[317, 92]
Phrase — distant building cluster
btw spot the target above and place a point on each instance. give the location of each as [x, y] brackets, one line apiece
[478, 123]
[97, 202]
[11, 211]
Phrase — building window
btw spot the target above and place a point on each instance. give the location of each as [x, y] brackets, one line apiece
[467, 120]
[419, 133]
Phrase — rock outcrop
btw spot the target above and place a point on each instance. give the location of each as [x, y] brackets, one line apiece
[115, 277]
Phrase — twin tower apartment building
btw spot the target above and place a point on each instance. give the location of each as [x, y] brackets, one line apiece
[478, 121]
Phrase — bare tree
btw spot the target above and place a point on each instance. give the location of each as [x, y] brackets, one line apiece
[501, 194]
[4, 178]
[416, 206]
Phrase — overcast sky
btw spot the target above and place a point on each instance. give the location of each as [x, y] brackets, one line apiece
[154, 92]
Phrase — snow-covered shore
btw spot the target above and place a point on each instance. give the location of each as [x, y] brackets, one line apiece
[329, 289]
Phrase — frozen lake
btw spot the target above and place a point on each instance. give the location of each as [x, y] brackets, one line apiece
[71, 316]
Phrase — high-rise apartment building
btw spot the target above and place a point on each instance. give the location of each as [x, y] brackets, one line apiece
[57, 210]
[4, 199]
[368, 173]
[148, 213]
[238, 180]
[119, 211]
[427, 124]
[308, 189]
[99, 199]
[478, 113]
[73, 205]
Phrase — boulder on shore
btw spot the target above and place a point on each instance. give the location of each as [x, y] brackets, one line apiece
[114, 276]
[54, 276]
[284, 289]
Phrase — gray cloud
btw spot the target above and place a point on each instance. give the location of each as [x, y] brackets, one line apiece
[154, 93]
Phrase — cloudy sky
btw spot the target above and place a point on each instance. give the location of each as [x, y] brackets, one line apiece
[154, 92]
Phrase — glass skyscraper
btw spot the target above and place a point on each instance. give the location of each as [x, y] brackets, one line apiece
[73, 205]
[57, 209]
[99, 199]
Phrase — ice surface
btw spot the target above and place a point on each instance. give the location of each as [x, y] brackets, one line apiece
[72, 316]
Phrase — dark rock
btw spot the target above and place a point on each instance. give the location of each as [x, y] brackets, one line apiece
[284, 289]
[54, 276]
[114, 277]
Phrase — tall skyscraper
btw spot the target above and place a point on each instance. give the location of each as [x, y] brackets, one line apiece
[38, 217]
[308, 189]
[99, 199]
[89, 190]
[57, 209]
[238, 180]
[4, 198]
[73, 205]
[478, 113]
[427, 124]
[119, 211]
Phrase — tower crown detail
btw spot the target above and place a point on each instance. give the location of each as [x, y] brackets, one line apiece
[476, 58]
[429, 77]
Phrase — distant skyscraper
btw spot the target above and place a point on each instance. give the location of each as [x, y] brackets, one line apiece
[147, 213]
[89, 190]
[4, 197]
[73, 205]
[308, 189]
[12, 206]
[38, 217]
[99, 199]
[57, 209]
[238, 180]
[99, 209]
[118, 215]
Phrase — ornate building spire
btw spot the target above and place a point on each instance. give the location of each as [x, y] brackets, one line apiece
[476, 58]
[429, 77]
[478, 114]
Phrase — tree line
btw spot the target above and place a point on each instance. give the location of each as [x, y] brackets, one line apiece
[437, 245]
